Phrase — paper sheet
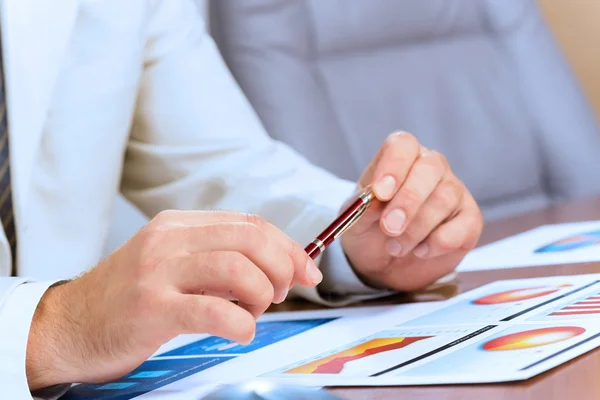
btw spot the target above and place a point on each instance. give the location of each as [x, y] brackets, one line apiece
[546, 245]
[191, 366]
[504, 331]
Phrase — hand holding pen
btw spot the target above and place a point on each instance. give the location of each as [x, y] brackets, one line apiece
[412, 224]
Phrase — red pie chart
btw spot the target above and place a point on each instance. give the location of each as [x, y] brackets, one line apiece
[533, 338]
[510, 296]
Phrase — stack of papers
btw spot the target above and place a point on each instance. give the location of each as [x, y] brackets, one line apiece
[505, 331]
[546, 245]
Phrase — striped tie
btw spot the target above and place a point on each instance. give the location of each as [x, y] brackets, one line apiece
[6, 208]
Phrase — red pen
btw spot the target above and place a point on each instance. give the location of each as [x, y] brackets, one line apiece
[340, 224]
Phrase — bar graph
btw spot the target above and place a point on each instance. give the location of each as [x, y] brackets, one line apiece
[587, 306]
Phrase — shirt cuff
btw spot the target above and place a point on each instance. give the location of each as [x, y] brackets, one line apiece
[16, 314]
[52, 393]
[340, 279]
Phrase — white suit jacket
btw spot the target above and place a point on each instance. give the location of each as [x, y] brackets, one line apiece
[132, 96]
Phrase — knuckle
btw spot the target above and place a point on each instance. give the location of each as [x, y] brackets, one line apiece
[410, 141]
[474, 225]
[265, 293]
[148, 256]
[411, 198]
[217, 216]
[251, 224]
[212, 312]
[234, 264]
[287, 262]
[435, 161]
[150, 237]
[281, 277]
[392, 138]
[254, 237]
[447, 196]
[479, 221]
[477, 214]
[145, 300]
[153, 235]
[208, 264]
[147, 266]
[286, 274]
[253, 219]
[296, 253]
[402, 139]
[447, 242]
[215, 231]
[411, 235]
[388, 147]
[440, 158]
[164, 216]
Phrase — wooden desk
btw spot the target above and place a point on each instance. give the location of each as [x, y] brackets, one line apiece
[578, 379]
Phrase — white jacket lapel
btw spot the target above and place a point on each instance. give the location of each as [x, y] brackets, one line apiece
[35, 34]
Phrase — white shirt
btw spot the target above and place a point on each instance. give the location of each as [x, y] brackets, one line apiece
[132, 96]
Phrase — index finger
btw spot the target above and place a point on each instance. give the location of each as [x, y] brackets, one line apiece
[193, 314]
[393, 163]
[282, 259]
[386, 173]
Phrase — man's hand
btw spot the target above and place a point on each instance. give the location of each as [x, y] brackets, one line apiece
[177, 275]
[421, 224]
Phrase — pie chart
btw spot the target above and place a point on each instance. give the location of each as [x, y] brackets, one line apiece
[533, 338]
[571, 243]
[510, 296]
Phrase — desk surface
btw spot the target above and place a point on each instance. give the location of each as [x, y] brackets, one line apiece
[578, 379]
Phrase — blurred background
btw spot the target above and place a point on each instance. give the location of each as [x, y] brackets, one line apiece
[508, 90]
[575, 25]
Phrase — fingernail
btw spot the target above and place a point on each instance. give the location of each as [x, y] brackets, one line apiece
[393, 247]
[421, 250]
[281, 298]
[251, 339]
[313, 272]
[424, 151]
[384, 189]
[394, 221]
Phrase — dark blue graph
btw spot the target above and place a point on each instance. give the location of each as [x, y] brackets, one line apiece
[151, 375]
[267, 333]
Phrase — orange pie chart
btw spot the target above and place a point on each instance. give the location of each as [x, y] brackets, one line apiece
[533, 338]
[510, 296]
